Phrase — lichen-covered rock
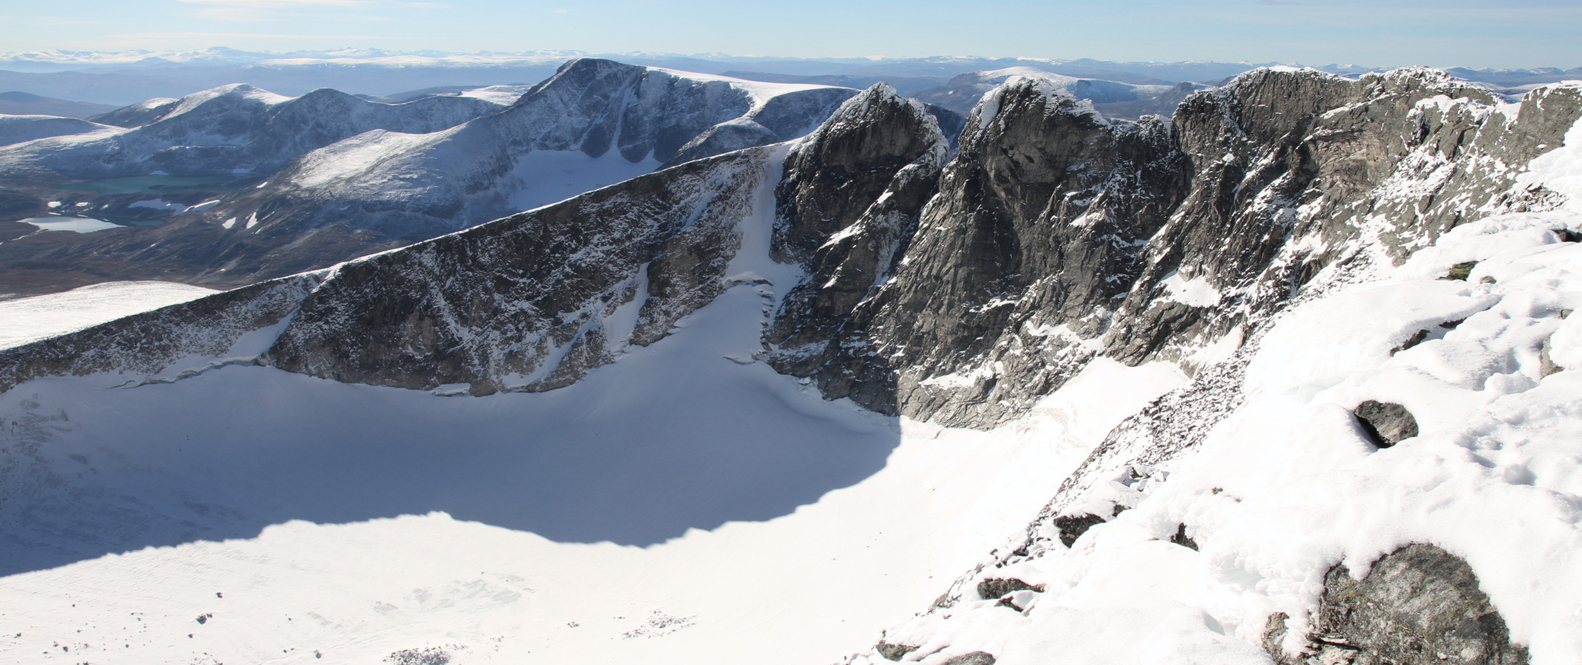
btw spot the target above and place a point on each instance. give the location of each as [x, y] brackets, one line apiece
[1546, 364]
[1073, 526]
[893, 651]
[995, 587]
[1385, 423]
[973, 658]
[1418, 605]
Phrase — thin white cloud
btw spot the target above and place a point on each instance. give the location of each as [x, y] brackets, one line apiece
[279, 4]
[238, 35]
[265, 10]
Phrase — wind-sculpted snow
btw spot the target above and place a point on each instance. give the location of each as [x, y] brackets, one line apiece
[233, 130]
[1212, 522]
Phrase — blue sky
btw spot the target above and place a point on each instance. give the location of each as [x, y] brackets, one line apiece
[1476, 33]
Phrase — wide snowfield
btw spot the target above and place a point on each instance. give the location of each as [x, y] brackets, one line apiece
[34, 318]
[684, 504]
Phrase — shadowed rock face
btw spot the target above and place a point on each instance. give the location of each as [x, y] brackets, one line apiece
[530, 302]
[1419, 605]
[1057, 235]
[848, 205]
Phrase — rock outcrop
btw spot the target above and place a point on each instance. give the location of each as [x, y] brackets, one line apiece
[1385, 423]
[1058, 235]
[1419, 605]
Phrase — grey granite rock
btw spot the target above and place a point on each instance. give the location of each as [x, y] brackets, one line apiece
[973, 658]
[1418, 605]
[1385, 423]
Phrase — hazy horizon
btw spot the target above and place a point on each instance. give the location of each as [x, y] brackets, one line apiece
[1462, 33]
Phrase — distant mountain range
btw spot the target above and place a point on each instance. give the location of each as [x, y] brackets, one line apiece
[126, 77]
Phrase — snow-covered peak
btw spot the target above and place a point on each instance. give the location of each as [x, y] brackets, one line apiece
[760, 91]
[504, 95]
[1055, 94]
[235, 91]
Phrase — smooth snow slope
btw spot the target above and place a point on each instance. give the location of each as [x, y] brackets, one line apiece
[31, 319]
[684, 504]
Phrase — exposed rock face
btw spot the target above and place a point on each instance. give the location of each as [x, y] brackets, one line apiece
[154, 343]
[570, 293]
[1058, 235]
[533, 301]
[848, 204]
[1419, 605]
[1385, 423]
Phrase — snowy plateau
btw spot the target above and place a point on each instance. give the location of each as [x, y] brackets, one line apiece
[807, 374]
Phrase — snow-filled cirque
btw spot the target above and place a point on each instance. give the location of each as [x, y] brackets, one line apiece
[656, 367]
[683, 503]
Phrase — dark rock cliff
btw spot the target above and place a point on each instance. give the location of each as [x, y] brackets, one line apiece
[1058, 235]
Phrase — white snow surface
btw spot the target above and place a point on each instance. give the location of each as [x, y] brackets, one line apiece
[24, 320]
[1289, 485]
[683, 504]
[71, 224]
[504, 95]
[547, 176]
[760, 91]
[1560, 169]
[360, 155]
[1197, 292]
